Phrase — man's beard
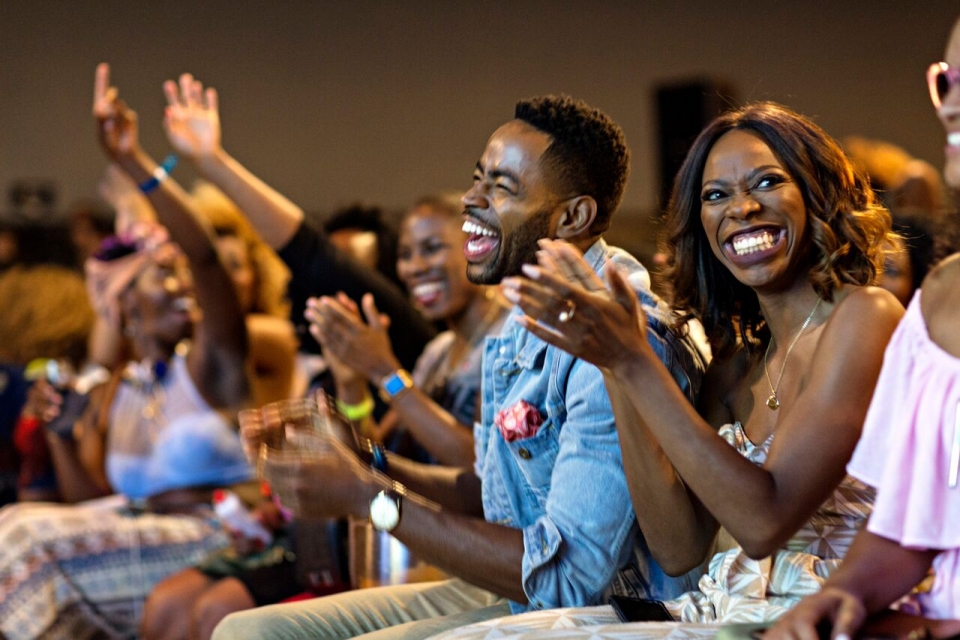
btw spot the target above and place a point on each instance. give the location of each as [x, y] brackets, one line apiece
[518, 249]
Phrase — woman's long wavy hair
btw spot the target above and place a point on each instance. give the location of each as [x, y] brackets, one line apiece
[848, 228]
[226, 219]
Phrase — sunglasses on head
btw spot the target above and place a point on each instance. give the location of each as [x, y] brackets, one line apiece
[941, 78]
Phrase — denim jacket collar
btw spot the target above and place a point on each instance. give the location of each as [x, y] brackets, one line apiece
[529, 346]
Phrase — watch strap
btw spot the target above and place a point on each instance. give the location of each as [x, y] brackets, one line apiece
[393, 385]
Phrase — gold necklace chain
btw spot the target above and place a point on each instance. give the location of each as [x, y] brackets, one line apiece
[773, 401]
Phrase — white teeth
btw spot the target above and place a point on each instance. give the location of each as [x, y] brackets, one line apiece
[426, 289]
[953, 139]
[475, 229]
[745, 245]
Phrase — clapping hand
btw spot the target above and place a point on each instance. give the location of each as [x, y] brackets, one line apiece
[192, 118]
[566, 304]
[365, 347]
[335, 483]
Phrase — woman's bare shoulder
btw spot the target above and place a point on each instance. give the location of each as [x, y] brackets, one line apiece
[856, 305]
[862, 318]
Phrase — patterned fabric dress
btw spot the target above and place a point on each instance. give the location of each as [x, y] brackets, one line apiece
[83, 571]
[735, 589]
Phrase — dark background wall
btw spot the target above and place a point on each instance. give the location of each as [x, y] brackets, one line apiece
[335, 101]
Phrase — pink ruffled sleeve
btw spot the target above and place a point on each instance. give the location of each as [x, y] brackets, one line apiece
[905, 449]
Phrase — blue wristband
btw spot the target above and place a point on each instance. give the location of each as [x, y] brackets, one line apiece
[379, 461]
[159, 174]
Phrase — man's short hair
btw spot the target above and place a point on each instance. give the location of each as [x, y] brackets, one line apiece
[588, 150]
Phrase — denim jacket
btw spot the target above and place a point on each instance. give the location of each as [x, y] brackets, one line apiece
[565, 485]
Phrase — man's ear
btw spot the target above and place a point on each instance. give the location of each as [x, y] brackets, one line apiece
[577, 218]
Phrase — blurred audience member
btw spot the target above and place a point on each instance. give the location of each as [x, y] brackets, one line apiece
[439, 412]
[317, 266]
[89, 226]
[360, 232]
[152, 434]
[900, 180]
[260, 279]
[440, 415]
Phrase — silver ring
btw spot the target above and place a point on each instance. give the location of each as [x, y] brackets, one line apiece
[567, 314]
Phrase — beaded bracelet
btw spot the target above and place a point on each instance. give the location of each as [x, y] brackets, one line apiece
[159, 174]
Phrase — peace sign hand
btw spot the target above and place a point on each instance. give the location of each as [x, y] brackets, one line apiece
[116, 123]
[192, 118]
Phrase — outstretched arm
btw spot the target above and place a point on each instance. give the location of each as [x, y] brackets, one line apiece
[317, 268]
[217, 359]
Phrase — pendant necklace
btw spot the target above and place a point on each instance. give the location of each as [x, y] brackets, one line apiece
[773, 401]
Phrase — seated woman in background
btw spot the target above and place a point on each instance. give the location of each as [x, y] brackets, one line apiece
[152, 435]
[260, 280]
[438, 412]
[774, 240]
[910, 452]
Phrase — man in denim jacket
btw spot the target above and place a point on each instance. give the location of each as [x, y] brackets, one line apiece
[545, 517]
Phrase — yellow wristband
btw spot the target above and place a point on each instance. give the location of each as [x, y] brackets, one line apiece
[355, 412]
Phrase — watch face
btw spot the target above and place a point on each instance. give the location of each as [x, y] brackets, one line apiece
[384, 512]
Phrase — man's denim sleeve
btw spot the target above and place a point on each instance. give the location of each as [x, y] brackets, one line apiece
[572, 552]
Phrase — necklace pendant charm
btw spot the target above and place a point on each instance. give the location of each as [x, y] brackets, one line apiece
[773, 403]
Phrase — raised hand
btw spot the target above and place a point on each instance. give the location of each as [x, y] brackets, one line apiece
[116, 123]
[192, 118]
[566, 304]
[363, 347]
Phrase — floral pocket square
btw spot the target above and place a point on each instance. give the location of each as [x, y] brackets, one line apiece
[520, 421]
